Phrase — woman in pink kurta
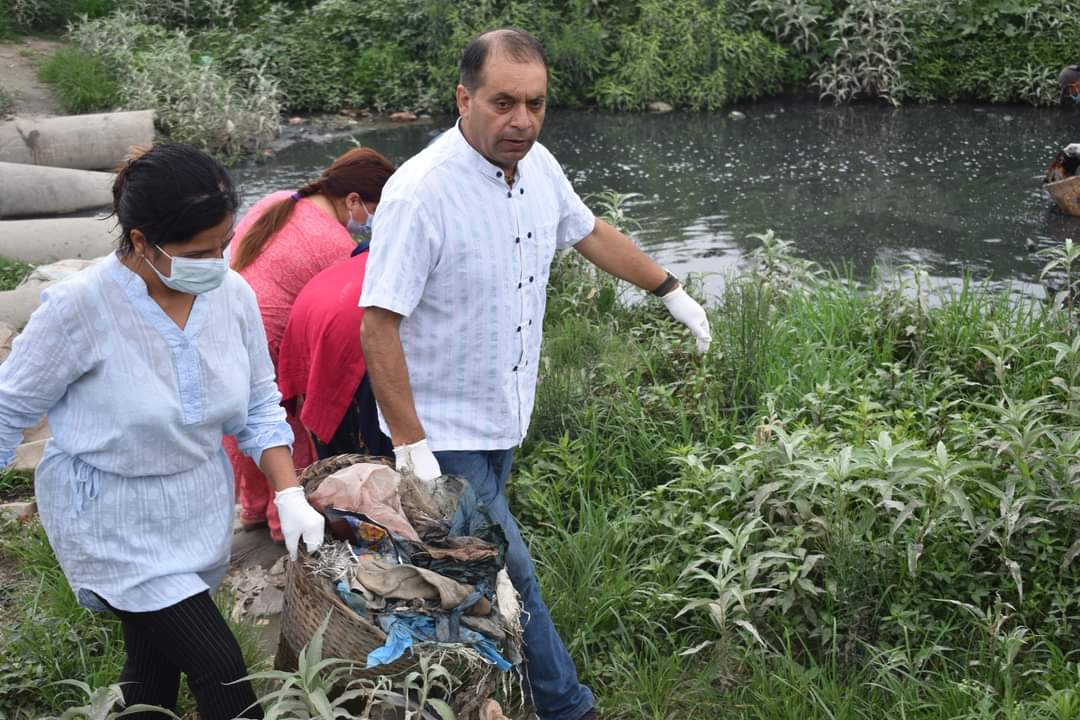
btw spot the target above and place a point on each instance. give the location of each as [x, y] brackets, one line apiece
[286, 239]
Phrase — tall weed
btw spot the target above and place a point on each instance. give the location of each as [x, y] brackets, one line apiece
[195, 101]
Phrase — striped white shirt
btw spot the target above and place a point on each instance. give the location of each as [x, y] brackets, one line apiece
[465, 259]
[134, 489]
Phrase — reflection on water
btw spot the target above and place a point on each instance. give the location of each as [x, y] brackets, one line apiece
[947, 187]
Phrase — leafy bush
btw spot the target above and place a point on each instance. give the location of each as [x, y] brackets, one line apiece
[7, 23]
[12, 273]
[7, 101]
[684, 53]
[997, 50]
[866, 46]
[195, 101]
[80, 80]
[880, 482]
[55, 15]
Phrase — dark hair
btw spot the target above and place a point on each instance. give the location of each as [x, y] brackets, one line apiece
[360, 170]
[518, 44]
[170, 193]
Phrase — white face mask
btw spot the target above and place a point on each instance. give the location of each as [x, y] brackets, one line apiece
[192, 276]
[362, 229]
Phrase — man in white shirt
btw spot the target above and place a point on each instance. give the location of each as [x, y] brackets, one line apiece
[455, 295]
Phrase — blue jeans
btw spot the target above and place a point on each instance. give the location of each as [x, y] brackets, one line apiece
[550, 675]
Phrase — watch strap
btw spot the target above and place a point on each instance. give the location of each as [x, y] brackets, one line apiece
[667, 286]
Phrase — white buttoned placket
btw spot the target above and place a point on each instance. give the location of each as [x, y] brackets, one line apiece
[524, 281]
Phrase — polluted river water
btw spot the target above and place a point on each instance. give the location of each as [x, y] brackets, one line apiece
[949, 188]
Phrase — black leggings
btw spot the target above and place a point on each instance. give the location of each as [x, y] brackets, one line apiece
[189, 637]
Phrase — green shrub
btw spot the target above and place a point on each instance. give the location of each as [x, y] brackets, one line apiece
[196, 100]
[7, 23]
[685, 54]
[12, 273]
[55, 15]
[7, 101]
[924, 50]
[879, 483]
[80, 80]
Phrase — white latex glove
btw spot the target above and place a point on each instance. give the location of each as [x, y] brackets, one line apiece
[418, 460]
[686, 310]
[298, 518]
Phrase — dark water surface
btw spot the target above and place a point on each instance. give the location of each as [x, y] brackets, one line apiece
[948, 187]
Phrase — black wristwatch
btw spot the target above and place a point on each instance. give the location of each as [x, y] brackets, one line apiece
[667, 286]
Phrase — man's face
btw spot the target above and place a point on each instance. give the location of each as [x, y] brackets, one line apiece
[502, 117]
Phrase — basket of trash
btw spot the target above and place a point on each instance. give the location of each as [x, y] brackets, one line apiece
[406, 574]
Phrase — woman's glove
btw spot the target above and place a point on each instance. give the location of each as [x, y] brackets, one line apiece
[686, 310]
[298, 518]
[418, 460]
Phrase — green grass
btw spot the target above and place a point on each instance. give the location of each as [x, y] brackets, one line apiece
[16, 485]
[857, 475]
[862, 503]
[46, 636]
[12, 273]
[80, 80]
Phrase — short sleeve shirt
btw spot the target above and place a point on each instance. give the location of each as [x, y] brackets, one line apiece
[464, 258]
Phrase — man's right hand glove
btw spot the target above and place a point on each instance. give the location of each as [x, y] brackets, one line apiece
[689, 312]
[418, 460]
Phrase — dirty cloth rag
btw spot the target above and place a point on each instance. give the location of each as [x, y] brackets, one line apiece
[370, 489]
[402, 629]
[408, 582]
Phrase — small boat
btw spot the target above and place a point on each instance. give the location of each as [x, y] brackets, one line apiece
[1066, 193]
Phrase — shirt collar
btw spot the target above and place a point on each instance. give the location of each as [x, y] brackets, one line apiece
[480, 163]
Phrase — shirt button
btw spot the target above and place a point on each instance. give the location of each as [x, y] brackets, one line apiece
[530, 278]
[509, 194]
[519, 328]
[498, 173]
[528, 234]
[522, 191]
[515, 368]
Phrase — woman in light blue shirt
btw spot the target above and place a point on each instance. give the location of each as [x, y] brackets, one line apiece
[143, 363]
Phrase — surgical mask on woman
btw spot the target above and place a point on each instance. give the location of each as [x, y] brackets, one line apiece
[192, 276]
[357, 228]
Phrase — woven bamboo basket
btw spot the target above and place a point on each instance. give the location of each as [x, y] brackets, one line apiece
[310, 599]
[1066, 193]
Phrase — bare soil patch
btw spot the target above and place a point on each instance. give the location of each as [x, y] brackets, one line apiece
[18, 75]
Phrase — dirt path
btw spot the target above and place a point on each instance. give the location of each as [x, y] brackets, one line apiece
[18, 76]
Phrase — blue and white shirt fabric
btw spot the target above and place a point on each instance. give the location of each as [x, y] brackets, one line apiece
[134, 489]
[465, 259]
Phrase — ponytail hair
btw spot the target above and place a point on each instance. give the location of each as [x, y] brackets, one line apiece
[360, 170]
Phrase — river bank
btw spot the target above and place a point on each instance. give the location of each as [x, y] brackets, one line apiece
[861, 504]
[260, 58]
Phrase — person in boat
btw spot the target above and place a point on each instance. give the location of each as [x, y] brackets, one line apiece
[1069, 82]
[143, 363]
[1064, 165]
[285, 240]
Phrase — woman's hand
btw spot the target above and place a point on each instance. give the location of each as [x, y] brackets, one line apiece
[298, 519]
